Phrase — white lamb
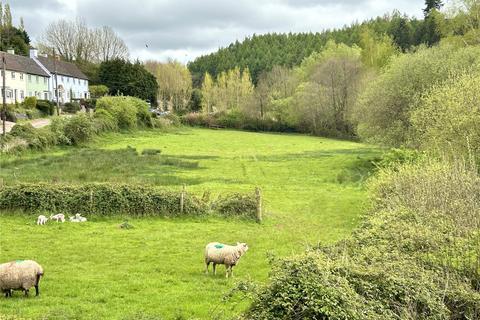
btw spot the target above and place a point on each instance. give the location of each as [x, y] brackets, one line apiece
[218, 253]
[41, 220]
[78, 218]
[58, 217]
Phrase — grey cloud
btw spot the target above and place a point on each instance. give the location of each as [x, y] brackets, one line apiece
[198, 26]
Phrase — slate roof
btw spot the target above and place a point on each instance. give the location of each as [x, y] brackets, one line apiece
[63, 68]
[22, 64]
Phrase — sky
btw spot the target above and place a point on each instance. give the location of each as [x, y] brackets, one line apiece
[185, 29]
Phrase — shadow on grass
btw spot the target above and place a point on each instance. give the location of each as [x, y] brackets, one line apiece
[100, 165]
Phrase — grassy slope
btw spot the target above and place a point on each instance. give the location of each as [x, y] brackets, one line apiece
[312, 193]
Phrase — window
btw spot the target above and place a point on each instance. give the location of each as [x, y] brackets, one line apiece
[62, 78]
[45, 80]
[22, 95]
[73, 81]
[30, 93]
[68, 79]
[36, 79]
[21, 76]
[13, 75]
[9, 94]
[45, 95]
[30, 80]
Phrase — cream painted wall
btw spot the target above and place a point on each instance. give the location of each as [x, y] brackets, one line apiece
[16, 86]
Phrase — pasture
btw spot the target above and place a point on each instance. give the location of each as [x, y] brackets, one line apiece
[312, 190]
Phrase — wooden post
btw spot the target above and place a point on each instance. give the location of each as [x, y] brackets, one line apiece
[182, 198]
[258, 196]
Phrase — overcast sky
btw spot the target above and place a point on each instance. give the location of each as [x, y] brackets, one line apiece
[185, 29]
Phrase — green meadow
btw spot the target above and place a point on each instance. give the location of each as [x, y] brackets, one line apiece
[312, 190]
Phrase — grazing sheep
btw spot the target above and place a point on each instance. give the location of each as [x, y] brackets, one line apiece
[41, 220]
[20, 275]
[78, 218]
[218, 253]
[58, 217]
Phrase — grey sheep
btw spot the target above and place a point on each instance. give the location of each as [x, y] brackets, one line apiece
[20, 275]
[218, 253]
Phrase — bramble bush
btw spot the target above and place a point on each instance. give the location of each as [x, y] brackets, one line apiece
[416, 256]
[111, 199]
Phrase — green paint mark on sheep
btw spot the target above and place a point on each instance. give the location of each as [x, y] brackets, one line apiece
[19, 261]
[219, 246]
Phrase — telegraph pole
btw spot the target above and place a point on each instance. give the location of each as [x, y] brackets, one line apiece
[4, 111]
[56, 81]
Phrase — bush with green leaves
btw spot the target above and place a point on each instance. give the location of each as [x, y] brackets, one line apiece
[383, 110]
[30, 102]
[104, 121]
[106, 199]
[71, 107]
[98, 91]
[46, 107]
[79, 129]
[39, 139]
[416, 256]
[128, 111]
[448, 117]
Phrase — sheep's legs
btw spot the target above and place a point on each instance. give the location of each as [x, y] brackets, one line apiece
[227, 270]
[26, 292]
[214, 269]
[207, 263]
[37, 292]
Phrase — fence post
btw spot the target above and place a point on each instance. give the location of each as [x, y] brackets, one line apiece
[182, 198]
[258, 196]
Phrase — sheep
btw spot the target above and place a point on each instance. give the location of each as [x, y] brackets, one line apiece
[58, 217]
[78, 218]
[41, 220]
[20, 275]
[218, 253]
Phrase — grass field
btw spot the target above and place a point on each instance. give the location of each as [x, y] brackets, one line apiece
[312, 191]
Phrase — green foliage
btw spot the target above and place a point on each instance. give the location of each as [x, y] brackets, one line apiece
[46, 107]
[39, 139]
[14, 38]
[129, 79]
[71, 107]
[415, 257]
[448, 118]
[30, 102]
[98, 91]
[111, 199]
[383, 110]
[195, 103]
[237, 204]
[127, 111]
[79, 129]
[105, 121]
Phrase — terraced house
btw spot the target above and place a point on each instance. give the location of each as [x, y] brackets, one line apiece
[72, 83]
[23, 78]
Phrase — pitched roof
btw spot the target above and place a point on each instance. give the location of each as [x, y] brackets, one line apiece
[63, 68]
[22, 64]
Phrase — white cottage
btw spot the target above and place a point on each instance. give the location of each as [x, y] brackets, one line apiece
[72, 82]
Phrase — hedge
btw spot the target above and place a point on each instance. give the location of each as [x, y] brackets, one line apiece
[111, 199]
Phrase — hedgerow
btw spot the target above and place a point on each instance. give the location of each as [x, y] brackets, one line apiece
[112, 199]
[416, 256]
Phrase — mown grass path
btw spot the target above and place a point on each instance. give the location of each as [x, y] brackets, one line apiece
[312, 189]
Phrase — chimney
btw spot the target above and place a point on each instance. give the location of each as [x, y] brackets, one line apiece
[11, 51]
[33, 53]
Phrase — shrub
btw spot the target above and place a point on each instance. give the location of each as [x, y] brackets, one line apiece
[39, 139]
[79, 129]
[416, 255]
[237, 204]
[10, 113]
[90, 103]
[448, 117]
[30, 102]
[34, 114]
[105, 199]
[71, 107]
[104, 121]
[383, 109]
[46, 107]
[122, 108]
[98, 91]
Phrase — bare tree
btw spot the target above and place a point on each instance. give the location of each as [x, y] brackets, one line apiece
[74, 40]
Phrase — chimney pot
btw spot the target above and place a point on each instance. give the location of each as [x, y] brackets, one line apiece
[33, 53]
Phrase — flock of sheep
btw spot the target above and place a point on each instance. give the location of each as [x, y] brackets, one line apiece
[42, 220]
[25, 274]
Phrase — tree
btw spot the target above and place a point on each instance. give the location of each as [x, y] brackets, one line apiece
[376, 50]
[129, 79]
[75, 41]
[175, 83]
[207, 93]
[432, 5]
[7, 17]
